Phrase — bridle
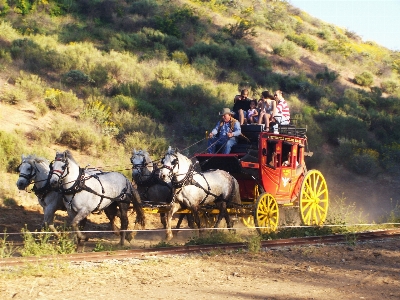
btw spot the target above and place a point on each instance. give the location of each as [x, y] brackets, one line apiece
[173, 177]
[140, 179]
[60, 173]
[30, 175]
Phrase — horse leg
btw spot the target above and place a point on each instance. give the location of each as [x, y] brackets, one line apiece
[48, 218]
[190, 220]
[124, 207]
[111, 212]
[79, 217]
[181, 217]
[221, 215]
[163, 220]
[174, 208]
[196, 218]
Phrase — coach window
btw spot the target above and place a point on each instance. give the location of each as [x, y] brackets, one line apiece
[272, 156]
[286, 154]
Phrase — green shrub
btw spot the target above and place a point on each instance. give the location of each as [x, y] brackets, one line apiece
[100, 114]
[14, 96]
[75, 78]
[206, 66]
[327, 76]
[11, 149]
[389, 86]
[144, 8]
[363, 164]
[364, 79]
[4, 7]
[99, 75]
[180, 57]
[130, 89]
[79, 137]
[42, 108]
[286, 49]
[65, 102]
[32, 85]
[303, 40]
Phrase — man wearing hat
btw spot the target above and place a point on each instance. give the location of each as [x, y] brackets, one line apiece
[224, 135]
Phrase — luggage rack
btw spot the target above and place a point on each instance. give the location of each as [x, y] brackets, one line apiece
[292, 130]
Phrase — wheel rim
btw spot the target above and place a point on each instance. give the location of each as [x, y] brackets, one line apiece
[313, 199]
[266, 214]
[248, 221]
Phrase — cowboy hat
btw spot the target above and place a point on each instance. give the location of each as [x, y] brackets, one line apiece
[226, 111]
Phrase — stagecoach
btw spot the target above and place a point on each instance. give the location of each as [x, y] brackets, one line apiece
[272, 174]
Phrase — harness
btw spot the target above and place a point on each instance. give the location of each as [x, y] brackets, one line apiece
[79, 186]
[188, 180]
[151, 180]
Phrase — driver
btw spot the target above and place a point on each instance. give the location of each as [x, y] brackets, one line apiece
[225, 133]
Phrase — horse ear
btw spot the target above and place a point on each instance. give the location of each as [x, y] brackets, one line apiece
[134, 151]
[169, 150]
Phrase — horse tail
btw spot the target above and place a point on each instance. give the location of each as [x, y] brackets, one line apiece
[137, 205]
[235, 192]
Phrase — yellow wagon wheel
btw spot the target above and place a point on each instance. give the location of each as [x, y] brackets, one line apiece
[207, 220]
[266, 214]
[313, 200]
[248, 221]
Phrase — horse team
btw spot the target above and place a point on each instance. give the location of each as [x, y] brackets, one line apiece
[63, 185]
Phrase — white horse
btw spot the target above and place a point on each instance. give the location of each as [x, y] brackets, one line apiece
[151, 188]
[36, 170]
[85, 192]
[193, 189]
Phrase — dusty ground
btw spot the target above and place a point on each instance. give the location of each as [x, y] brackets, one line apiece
[363, 271]
[348, 271]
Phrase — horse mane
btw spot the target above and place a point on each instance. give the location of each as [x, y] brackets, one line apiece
[68, 154]
[35, 158]
[144, 153]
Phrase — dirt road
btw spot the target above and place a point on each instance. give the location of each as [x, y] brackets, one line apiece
[361, 271]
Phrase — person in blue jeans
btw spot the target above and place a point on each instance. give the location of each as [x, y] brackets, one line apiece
[225, 133]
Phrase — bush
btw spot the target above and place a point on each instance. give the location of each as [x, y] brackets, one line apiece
[180, 57]
[77, 137]
[327, 76]
[65, 102]
[363, 164]
[75, 78]
[11, 149]
[389, 86]
[14, 96]
[206, 66]
[303, 40]
[286, 49]
[32, 85]
[4, 8]
[364, 79]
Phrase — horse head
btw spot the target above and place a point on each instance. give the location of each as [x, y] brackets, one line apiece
[140, 161]
[27, 172]
[32, 169]
[60, 167]
[174, 165]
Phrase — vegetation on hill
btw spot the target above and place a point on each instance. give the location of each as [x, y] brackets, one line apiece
[151, 73]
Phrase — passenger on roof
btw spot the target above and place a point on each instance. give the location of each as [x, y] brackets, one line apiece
[241, 106]
[252, 113]
[268, 109]
[282, 115]
[225, 133]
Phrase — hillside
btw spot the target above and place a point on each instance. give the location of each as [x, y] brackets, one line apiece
[101, 77]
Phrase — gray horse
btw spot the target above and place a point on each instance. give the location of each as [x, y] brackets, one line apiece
[152, 189]
[34, 169]
[193, 189]
[86, 192]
